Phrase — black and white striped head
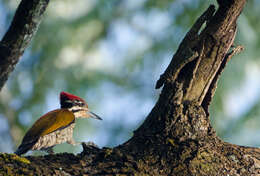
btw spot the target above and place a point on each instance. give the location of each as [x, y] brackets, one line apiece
[76, 105]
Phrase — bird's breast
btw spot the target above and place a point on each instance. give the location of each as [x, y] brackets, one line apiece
[57, 137]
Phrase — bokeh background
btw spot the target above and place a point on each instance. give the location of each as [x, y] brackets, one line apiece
[111, 52]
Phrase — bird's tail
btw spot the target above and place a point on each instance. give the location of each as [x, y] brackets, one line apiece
[19, 152]
[22, 149]
[25, 147]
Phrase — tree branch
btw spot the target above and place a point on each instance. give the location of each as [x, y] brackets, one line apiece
[23, 27]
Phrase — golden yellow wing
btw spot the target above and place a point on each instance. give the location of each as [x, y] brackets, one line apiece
[50, 122]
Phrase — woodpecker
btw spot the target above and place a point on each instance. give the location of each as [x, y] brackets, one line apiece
[56, 126]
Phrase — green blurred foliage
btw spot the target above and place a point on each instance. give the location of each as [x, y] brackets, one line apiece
[111, 53]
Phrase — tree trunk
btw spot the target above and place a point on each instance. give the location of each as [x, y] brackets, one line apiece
[176, 137]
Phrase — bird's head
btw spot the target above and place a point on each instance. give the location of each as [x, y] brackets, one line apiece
[76, 105]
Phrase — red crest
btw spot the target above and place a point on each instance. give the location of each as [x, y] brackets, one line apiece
[66, 95]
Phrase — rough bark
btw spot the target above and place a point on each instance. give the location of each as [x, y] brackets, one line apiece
[176, 138]
[24, 25]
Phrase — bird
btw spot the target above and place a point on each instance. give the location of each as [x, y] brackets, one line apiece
[56, 127]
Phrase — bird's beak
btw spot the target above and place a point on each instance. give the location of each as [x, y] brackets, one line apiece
[94, 116]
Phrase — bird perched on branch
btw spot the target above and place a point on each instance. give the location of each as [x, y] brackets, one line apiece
[56, 126]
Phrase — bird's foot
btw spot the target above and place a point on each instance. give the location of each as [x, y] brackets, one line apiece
[49, 150]
[72, 142]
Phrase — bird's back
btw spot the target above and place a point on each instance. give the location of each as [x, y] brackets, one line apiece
[48, 130]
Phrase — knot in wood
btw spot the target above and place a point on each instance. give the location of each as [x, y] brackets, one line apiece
[192, 124]
[198, 119]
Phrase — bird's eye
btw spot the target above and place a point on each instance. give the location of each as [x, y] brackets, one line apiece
[78, 102]
[81, 104]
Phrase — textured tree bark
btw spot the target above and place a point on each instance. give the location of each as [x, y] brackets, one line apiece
[176, 138]
[24, 25]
